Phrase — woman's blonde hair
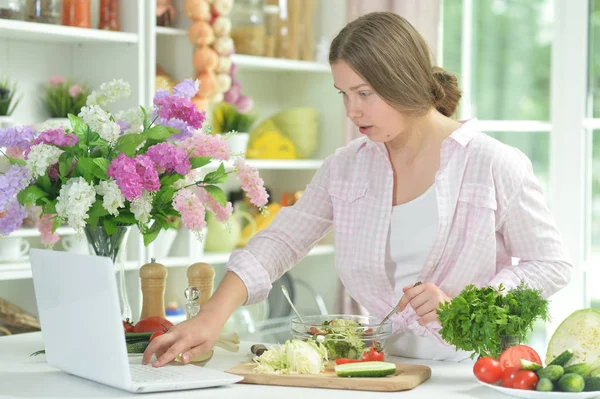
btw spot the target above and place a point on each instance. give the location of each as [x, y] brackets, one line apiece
[389, 53]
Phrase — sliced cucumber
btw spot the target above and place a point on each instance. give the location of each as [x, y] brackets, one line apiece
[562, 359]
[528, 365]
[365, 369]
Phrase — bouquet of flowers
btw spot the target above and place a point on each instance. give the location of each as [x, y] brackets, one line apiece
[111, 171]
[8, 102]
[62, 97]
[226, 118]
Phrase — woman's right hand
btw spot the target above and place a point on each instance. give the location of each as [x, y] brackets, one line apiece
[189, 338]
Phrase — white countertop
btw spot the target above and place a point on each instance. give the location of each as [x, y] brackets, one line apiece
[24, 376]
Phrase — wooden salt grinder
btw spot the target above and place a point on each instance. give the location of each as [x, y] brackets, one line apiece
[202, 276]
[153, 276]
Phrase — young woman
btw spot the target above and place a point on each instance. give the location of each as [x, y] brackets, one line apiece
[420, 198]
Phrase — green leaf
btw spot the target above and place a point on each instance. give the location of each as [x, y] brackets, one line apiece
[65, 163]
[163, 196]
[44, 183]
[86, 168]
[129, 143]
[109, 226]
[92, 221]
[16, 161]
[49, 208]
[30, 195]
[198, 162]
[102, 163]
[169, 180]
[97, 209]
[217, 193]
[146, 119]
[79, 127]
[151, 233]
[56, 223]
[101, 144]
[157, 132]
[163, 221]
[126, 218]
[216, 177]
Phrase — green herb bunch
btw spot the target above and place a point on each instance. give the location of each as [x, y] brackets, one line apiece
[477, 318]
[8, 101]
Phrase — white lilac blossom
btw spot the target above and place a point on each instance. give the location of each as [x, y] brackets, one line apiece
[99, 121]
[112, 198]
[41, 157]
[74, 201]
[142, 207]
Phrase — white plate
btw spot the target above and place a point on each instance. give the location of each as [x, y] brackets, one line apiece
[520, 393]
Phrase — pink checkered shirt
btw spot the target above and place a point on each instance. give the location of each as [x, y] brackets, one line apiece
[491, 208]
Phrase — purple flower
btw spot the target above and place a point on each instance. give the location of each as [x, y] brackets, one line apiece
[186, 89]
[18, 136]
[11, 218]
[57, 137]
[134, 175]
[159, 97]
[123, 125]
[183, 109]
[14, 180]
[244, 104]
[180, 125]
[170, 157]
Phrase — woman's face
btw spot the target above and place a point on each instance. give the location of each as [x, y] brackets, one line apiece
[374, 117]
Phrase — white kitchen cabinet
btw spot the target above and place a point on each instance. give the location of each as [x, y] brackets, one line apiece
[30, 53]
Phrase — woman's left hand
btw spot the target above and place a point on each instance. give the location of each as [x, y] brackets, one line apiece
[424, 299]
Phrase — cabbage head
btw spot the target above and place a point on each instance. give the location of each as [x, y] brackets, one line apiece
[580, 332]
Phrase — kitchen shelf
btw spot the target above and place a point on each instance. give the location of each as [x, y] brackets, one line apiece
[275, 164]
[38, 32]
[22, 270]
[34, 232]
[164, 31]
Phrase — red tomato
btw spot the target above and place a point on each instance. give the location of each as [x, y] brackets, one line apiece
[155, 334]
[341, 360]
[508, 376]
[127, 326]
[487, 369]
[152, 324]
[525, 379]
[512, 356]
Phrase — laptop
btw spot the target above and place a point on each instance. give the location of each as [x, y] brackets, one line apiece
[80, 316]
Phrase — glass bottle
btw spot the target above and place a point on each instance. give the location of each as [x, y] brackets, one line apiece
[44, 11]
[76, 13]
[248, 28]
[109, 15]
[11, 9]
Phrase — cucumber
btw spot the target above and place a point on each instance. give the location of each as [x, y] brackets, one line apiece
[592, 383]
[553, 373]
[571, 383]
[137, 347]
[365, 369]
[544, 385]
[562, 359]
[528, 365]
[580, 368]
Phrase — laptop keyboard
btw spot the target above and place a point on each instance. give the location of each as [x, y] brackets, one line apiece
[143, 374]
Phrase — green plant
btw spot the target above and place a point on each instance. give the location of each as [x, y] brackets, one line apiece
[477, 318]
[8, 101]
[63, 97]
[226, 118]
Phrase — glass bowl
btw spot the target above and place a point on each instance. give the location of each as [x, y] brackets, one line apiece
[344, 336]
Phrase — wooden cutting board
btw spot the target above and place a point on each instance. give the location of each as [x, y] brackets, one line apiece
[408, 376]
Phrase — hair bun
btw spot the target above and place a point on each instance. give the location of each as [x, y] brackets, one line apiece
[444, 91]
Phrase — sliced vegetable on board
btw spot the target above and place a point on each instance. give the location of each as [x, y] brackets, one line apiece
[365, 369]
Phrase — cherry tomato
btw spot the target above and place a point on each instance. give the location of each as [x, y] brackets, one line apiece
[512, 356]
[376, 355]
[508, 376]
[525, 379]
[127, 326]
[152, 324]
[487, 369]
[156, 334]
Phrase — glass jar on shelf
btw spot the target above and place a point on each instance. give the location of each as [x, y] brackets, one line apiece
[76, 13]
[43, 11]
[248, 28]
[11, 9]
[109, 15]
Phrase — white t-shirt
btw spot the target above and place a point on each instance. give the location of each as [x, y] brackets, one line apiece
[411, 235]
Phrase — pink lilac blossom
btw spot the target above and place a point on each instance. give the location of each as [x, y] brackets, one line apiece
[252, 184]
[20, 137]
[14, 180]
[75, 90]
[180, 108]
[56, 80]
[170, 158]
[207, 145]
[222, 213]
[12, 218]
[57, 137]
[44, 225]
[134, 175]
[191, 209]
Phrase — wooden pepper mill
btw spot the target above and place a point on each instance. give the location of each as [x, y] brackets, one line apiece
[153, 276]
[202, 276]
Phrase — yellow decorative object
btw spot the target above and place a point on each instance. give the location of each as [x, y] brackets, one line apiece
[272, 145]
[261, 221]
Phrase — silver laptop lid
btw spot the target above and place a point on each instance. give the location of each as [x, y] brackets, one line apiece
[79, 312]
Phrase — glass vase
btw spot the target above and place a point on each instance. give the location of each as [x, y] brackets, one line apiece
[107, 245]
[506, 341]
